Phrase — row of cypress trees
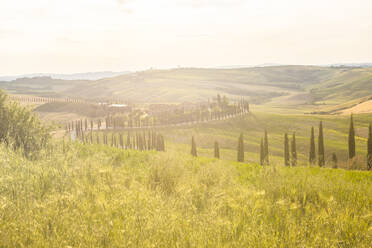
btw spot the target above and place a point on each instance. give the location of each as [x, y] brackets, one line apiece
[290, 152]
[140, 119]
[138, 141]
[290, 148]
[321, 152]
[321, 149]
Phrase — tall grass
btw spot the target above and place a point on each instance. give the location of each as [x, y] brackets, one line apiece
[98, 196]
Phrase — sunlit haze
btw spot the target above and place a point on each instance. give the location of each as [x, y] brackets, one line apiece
[95, 35]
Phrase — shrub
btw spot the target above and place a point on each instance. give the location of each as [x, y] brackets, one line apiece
[20, 129]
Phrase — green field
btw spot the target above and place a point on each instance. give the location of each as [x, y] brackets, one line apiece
[96, 196]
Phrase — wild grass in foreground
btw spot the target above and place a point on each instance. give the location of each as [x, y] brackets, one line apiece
[97, 196]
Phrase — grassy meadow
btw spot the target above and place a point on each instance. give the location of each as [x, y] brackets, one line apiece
[98, 196]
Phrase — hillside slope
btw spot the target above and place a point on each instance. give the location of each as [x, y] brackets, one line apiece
[347, 84]
[291, 85]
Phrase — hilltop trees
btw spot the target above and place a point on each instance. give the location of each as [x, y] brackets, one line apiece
[351, 139]
[294, 150]
[312, 147]
[241, 148]
[193, 147]
[286, 150]
[321, 156]
[369, 148]
[216, 150]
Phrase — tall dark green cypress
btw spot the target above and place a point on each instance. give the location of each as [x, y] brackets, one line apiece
[121, 141]
[128, 141]
[149, 141]
[321, 154]
[334, 161]
[351, 139]
[312, 154]
[294, 150]
[266, 149]
[241, 148]
[193, 147]
[286, 150]
[261, 152]
[140, 142]
[216, 150]
[160, 143]
[369, 152]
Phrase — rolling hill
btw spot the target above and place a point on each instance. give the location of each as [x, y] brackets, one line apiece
[276, 85]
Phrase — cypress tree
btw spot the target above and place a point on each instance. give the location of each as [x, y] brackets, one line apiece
[216, 150]
[261, 152]
[128, 141]
[140, 141]
[193, 147]
[286, 150]
[334, 160]
[241, 148]
[369, 153]
[149, 141]
[137, 142]
[312, 147]
[162, 144]
[144, 143]
[133, 143]
[351, 139]
[158, 142]
[321, 156]
[266, 149]
[294, 150]
[153, 139]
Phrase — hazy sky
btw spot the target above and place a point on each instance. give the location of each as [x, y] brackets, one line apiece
[67, 36]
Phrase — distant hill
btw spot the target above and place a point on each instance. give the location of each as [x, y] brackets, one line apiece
[75, 76]
[360, 65]
[282, 85]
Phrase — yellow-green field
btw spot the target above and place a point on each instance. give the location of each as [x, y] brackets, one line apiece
[96, 196]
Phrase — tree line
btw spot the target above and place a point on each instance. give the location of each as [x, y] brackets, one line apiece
[218, 110]
[141, 141]
[290, 148]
